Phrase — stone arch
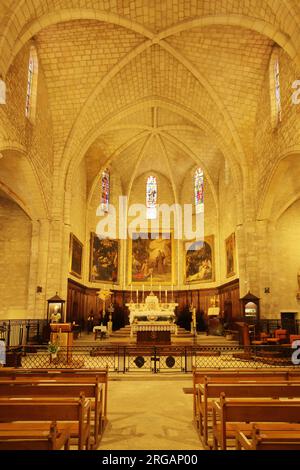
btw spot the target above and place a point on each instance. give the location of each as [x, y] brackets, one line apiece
[17, 171]
[274, 180]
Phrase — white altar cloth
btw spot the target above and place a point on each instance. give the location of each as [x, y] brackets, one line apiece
[152, 309]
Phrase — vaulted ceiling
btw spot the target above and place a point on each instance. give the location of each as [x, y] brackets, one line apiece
[160, 84]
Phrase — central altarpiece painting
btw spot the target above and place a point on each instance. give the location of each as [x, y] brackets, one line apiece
[151, 258]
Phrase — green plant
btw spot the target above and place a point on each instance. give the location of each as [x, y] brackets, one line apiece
[53, 348]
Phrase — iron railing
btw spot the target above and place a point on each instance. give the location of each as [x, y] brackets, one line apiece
[158, 359]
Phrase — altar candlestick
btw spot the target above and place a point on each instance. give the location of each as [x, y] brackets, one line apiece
[160, 293]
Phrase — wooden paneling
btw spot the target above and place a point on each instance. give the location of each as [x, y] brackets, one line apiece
[83, 301]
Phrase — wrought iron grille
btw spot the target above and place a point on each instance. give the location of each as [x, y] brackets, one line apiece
[171, 359]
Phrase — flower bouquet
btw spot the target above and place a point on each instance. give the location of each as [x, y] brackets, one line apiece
[53, 348]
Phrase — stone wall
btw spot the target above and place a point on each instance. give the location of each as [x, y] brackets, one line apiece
[15, 249]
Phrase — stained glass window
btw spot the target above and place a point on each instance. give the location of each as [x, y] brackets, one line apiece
[32, 81]
[151, 197]
[199, 191]
[277, 90]
[105, 190]
[29, 86]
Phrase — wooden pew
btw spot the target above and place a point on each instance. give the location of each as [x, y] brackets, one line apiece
[272, 439]
[14, 437]
[239, 375]
[229, 411]
[211, 390]
[77, 412]
[62, 375]
[32, 387]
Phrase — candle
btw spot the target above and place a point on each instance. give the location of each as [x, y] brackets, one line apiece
[166, 295]
[137, 296]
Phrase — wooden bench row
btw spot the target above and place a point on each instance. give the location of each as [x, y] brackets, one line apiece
[76, 412]
[244, 386]
[13, 436]
[39, 396]
[240, 376]
[210, 391]
[274, 439]
[227, 412]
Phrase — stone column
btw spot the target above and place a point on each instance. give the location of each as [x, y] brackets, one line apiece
[37, 304]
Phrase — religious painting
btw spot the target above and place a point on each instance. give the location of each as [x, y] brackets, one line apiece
[199, 261]
[76, 250]
[151, 258]
[230, 256]
[104, 261]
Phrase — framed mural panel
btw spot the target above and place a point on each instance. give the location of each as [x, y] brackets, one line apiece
[104, 260]
[151, 254]
[199, 261]
[76, 254]
[230, 255]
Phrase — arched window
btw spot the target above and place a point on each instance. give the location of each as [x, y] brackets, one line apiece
[105, 190]
[276, 106]
[199, 190]
[151, 197]
[31, 93]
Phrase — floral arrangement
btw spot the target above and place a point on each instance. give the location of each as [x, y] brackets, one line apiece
[53, 348]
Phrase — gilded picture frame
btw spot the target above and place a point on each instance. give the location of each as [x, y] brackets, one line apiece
[230, 250]
[199, 261]
[104, 260]
[76, 256]
[151, 254]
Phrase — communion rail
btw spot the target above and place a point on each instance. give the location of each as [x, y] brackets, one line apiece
[160, 359]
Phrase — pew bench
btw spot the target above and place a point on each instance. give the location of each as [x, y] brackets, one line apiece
[75, 412]
[227, 412]
[239, 375]
[13, 436]
[210, 390]
[36, 389]
[63, 376]
[271, 439]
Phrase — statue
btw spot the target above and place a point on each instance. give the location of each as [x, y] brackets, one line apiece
[56, 316]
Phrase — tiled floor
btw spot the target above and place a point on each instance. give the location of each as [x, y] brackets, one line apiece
[150, 414]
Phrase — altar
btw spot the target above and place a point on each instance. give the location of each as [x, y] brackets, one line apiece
[152, 316]
[151, 310]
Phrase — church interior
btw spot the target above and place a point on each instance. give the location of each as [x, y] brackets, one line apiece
[149, 224]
